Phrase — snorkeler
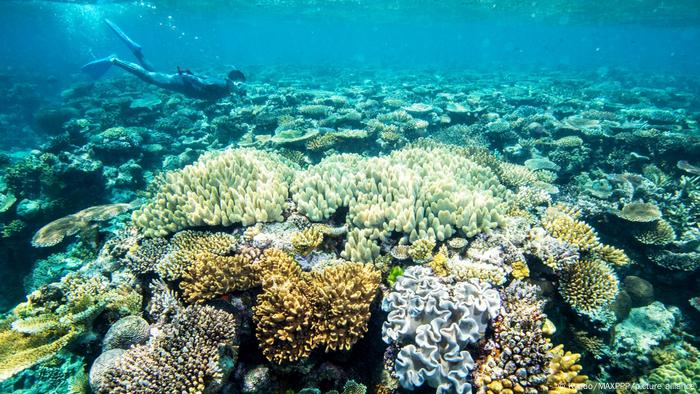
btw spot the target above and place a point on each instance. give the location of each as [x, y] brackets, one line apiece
[184, 81]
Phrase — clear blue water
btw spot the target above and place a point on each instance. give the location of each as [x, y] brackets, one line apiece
[604, 95]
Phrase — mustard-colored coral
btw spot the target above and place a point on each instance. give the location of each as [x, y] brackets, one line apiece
[211, 275]
[439, 262]
[612, 255]
[305, 241]
[589, 285]
[298, 311]
[565, 228]
[186, 246]
[283, 318]
[564, 375]
[659, 232]
[344, 293]
[322, 142]
[19, 351]
[520, 270]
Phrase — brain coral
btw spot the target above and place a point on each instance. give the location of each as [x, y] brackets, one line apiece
[419, 192]
[221, 188]
[436, 322]
[185, 357]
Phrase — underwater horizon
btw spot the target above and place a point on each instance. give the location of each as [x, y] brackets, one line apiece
[349, 196]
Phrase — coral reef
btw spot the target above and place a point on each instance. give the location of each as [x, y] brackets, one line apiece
[185, 356]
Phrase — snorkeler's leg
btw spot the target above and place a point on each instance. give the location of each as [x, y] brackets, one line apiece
[133, 68]
[131, 44]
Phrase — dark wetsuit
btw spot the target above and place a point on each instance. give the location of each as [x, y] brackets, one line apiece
[190, 85]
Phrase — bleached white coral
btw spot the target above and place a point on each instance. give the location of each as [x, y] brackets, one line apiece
[436, 322]
[419, 192]
[221, 188]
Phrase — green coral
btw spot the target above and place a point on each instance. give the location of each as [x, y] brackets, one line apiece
[55, 315]
[681, 376]
[394, 274]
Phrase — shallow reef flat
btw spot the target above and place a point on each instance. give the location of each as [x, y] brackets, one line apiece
[356, 230]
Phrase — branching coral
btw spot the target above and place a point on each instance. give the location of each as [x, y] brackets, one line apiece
[305, 241]
[421, 250]
[659, 233]
[185, 357]
[221, 188]
[519, 358]
[439, 262]
[54, 232]
[189, 246]
[298, 312]
[589, 285]
[421, 193]
[211, 275]
[564, 375]
[565, 228]
[40, 327]
[344, 293]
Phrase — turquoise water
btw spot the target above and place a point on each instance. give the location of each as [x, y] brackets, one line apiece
[349, 196]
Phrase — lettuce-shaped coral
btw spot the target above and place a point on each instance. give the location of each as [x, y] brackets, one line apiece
[221, 188]
[435, 322]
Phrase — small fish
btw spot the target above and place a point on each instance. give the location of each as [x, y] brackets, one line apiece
[687, 167]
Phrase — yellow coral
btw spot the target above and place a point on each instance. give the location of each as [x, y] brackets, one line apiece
[283, 317]
[276, 266]
[564, 375]
[659, 232]
[187, 245]
[589, 285]
[211, 275]
[439, 262]
[305, 241]
[20, 351]
[613, 255]
[422, 249]
[299, 311]
[344, 293]
[322, 142]
[520, 270]
[565, 228]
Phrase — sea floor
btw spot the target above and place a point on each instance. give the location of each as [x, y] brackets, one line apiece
[436, 231]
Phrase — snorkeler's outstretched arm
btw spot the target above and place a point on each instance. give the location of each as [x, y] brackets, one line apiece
[131, 44]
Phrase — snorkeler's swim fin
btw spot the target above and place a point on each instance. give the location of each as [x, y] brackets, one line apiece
[99, 67]
[133, 46]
